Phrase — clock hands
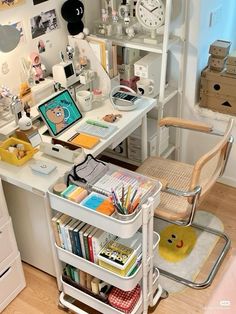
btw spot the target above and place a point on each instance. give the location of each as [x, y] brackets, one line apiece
[154, 9]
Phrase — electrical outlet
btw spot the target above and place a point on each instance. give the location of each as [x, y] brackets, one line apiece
[215, 16]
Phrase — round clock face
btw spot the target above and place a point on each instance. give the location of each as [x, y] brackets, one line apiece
[150, 13]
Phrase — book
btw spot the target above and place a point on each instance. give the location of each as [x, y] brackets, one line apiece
[89, 278]
[84, 140]
[55, 228]
[83, 278]
[64, 233]
[85, 236]
[60, 221]
[99, 240]
[78, 227]
[68, 229]
[81, 237]
[121, 254]
[90, 244]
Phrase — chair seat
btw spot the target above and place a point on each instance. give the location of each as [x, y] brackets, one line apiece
[178, 176]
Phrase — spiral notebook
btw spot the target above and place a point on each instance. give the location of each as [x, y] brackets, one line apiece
[96, 130]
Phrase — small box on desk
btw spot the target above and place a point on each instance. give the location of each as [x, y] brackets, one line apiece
[42, 90]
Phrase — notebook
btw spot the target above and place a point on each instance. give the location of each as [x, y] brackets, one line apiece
[84, 140]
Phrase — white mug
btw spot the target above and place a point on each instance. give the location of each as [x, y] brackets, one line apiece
[84, 100]
[145, 87]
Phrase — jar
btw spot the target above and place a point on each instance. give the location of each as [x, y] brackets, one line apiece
[97, 97]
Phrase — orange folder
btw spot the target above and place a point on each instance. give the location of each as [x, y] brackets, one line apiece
[84, 140]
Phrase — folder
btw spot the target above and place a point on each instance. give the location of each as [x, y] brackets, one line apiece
[84, 140]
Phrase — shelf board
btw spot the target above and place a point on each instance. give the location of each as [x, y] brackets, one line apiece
[170, 149]
[95, 303]
[170, 93]
[138, 42]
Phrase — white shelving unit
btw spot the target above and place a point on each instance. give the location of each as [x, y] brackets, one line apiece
[165, 43]
[145, 274]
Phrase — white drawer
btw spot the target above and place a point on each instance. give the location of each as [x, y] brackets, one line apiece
[12, 281]
[3, 206]
[7, 244]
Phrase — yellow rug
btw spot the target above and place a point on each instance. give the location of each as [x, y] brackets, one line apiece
[183, 250]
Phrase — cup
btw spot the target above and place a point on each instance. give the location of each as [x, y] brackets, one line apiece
[84, 100]
[145, 87]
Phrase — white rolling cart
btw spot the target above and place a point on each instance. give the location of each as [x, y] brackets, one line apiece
[145, 274]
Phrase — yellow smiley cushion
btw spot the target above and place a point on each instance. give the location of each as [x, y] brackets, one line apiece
[176, 242]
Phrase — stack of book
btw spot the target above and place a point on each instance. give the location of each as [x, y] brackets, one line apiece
[86, 282]
[122, 256]
[78, 237]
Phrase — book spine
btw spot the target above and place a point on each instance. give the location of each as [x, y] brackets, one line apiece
[86, 249]
[67, 237]
[81, 234]
[78, 250]
[64, 246]
[56, 233]
[90, 245]
[72, 241]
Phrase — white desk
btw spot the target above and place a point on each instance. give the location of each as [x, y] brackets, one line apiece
[26, 191]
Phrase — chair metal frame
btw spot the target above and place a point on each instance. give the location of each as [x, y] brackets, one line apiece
[193, 196]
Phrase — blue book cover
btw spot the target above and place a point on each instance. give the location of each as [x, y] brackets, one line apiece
[75, 232]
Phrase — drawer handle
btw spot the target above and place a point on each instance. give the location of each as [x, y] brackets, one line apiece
[4, 273]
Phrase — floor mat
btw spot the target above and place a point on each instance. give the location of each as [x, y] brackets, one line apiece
[183, 250]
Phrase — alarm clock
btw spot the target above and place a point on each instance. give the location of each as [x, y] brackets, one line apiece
[150, 13]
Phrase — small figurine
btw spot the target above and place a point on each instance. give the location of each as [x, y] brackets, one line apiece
[104, 15]
[111, 117]
[38, 67]
[27, 109]
[115, 17]
[70, 52]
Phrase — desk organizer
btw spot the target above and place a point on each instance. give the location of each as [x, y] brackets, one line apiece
[10, 157]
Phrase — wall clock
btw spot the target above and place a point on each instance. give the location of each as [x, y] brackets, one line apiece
[150, 13]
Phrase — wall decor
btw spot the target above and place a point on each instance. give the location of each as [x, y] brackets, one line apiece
[7, 4]
[38, 1]
[19, 27]
[43, 23]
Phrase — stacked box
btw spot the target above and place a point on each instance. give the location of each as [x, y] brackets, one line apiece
[219, 51]
[231, 63]
[218, 91]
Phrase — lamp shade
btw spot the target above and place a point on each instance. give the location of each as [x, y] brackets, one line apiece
[9, 38]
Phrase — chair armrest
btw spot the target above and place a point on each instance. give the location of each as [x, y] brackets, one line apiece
[186, 124]
[194, 192]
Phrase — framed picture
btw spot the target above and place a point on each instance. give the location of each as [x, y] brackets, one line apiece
[43, 23]
[8, 4]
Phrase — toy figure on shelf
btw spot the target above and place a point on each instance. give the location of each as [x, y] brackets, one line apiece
[38, 67]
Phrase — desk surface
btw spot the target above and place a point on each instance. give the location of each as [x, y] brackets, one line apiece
[25, 178]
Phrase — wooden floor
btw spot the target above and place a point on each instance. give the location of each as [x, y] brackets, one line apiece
[41, 295]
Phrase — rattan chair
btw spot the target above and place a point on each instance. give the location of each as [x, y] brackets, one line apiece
[184, 185]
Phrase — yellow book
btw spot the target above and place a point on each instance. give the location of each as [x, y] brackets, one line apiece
[84, 140]
[121, 272]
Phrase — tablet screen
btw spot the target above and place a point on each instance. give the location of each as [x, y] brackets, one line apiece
[59, 112]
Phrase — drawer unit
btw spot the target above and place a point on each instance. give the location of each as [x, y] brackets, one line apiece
[12, 281]
[7, 243]
[3, 207]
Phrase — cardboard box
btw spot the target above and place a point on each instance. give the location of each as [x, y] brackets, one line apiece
[218, 91]
[220, 48]
[231, 69]
[231, 60]
[217, 64]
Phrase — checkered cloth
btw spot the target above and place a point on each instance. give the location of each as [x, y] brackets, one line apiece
[124, 301]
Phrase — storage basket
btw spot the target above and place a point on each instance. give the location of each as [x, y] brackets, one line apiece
[11, 158]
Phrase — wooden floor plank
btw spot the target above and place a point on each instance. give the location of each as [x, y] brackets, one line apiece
[41, 295]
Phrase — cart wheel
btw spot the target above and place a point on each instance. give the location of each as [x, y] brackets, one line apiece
[164, 294]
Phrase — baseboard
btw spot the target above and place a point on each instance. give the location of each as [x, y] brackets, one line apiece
[228, 181]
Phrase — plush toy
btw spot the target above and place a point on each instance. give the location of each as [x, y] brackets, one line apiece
[38, 67]
[72, 11]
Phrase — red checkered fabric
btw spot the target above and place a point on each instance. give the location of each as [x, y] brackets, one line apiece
[124, 301]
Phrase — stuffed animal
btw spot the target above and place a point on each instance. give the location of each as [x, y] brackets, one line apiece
[72, 11]
[38, 67]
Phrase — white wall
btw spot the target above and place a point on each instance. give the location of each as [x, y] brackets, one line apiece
[55, 40]
[200, 37]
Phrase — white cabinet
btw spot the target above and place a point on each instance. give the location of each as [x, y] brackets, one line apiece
[124, 229]
[12, 279]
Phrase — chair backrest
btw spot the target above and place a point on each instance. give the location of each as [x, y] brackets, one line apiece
[209, 167]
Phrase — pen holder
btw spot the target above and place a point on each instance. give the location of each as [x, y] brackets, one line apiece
[125, 217]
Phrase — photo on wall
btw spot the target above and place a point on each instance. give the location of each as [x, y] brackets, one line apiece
[43, 23]
[38, 1]
[8, 4]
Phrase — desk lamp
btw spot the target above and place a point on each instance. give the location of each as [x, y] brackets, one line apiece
[9, 38]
